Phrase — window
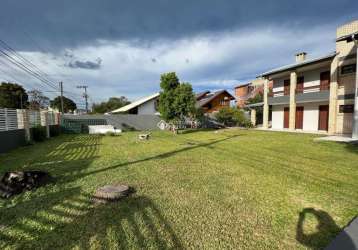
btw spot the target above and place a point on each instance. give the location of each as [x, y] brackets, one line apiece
[300, 82]
[348, 69]
[222, 102]
[346, 108]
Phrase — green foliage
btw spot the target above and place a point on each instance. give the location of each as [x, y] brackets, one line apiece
[232, 117]
[39, 133]
[68, 104]
[259, 97]
[176, 99]
[112, 104]
[12, 95]
[37, 100]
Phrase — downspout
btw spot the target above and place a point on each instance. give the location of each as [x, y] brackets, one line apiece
[355, 114]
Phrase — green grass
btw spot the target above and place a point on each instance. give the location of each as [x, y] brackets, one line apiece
[237, 189]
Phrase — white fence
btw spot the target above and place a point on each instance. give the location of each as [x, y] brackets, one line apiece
[11, 119]
[8, 119]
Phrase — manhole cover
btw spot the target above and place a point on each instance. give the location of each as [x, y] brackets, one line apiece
[110, 193]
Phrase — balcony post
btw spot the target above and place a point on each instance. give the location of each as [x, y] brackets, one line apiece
[292, 114]
[266, 106]
[332, 117]
[355, 114]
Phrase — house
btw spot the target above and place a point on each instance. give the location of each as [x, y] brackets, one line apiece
[212, 102]
[318, 94]
[249, 90]
[144, 106]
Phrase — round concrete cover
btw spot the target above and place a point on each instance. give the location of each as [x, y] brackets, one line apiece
[111, 192]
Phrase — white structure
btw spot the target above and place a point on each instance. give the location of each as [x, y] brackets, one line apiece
[144, 106]
[103, 129]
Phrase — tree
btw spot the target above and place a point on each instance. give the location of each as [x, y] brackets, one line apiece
[112, 104]
[12, 95]
[259, 97]
[176, 99]
[38, 100]
[68, 104]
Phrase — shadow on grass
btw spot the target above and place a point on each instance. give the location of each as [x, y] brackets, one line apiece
[326, 229]
[156, 157]
[68, 219]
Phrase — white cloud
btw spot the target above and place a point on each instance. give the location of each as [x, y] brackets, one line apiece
[213, 61]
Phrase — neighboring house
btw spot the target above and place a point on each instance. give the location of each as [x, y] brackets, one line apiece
[316, 94]
[213, 101]
[144, 106]
[249, 90]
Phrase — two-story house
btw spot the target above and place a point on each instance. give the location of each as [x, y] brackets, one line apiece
[316, 94]
[212, 102]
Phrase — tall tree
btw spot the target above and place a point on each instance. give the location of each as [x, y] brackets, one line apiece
[12, 95]
[68, 104]
[112, 104]
[37, 100]
[176, 99]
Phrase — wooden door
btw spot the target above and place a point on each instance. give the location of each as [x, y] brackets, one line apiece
[286, 87]
[325, 80]
[286, 117]
[323, 117]
[299, 87]
[299, 117]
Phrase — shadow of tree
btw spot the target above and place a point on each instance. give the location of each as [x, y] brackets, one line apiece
[155, 157]
[68, 219]
[326, 229]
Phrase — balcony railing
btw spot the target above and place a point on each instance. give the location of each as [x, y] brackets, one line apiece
[300, 90]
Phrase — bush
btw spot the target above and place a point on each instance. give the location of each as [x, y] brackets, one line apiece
[233, 117]
[39, 133]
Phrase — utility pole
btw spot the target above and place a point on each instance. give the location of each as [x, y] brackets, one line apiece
[84, 95]
[61, 89]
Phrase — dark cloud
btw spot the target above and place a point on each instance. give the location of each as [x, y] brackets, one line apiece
[67, 23]
[85, 64]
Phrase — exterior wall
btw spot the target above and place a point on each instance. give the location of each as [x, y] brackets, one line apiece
[240, 93]
[311, 78]
[148, 108]
[310, 115]
[216, 105]
[277, 116]
[244, 92]
[344, 120]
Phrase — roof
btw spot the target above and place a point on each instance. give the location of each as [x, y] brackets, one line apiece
[242, 85]
[299, 64]
[348, 38]
[135, 104]
[201, 94]
[211, 96]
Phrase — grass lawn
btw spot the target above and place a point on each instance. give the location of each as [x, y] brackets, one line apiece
[235, 189]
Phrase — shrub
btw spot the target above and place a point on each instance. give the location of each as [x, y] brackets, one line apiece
[233, 117]
[39, 133]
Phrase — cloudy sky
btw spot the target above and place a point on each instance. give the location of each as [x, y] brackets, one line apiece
[120, 47]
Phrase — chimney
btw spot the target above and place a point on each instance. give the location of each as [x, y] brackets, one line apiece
[300, 57]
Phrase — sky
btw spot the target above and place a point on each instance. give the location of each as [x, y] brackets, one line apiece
[120, 48]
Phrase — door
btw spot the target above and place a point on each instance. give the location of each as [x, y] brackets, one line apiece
[299, 118]
[325, 78]
[286, 117]
[323, 117]
[299, 87]
[286, 87]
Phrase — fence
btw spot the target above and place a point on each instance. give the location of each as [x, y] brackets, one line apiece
[8, 119]
[16, 124]
[80, 123]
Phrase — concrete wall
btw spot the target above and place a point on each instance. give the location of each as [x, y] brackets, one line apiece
[138, 122]
[147, 108]
[11, 139]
